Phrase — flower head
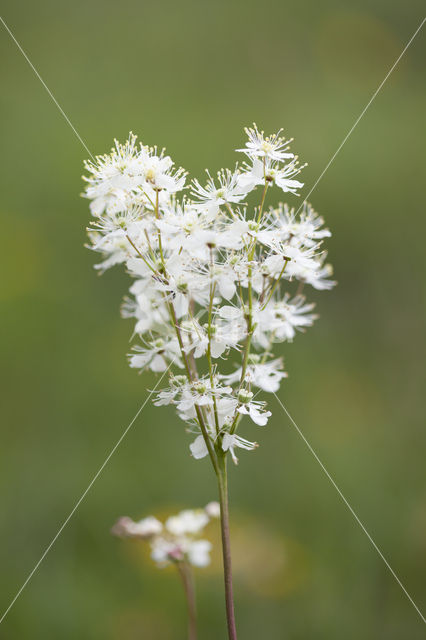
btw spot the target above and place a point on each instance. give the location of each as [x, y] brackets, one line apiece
[216, 283]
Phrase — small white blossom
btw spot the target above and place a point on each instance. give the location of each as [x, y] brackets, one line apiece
[230, 441]
[261, 173]
[212, 196]
[253, 409]
[156, 356]
[264, 375]
[305, 228]
[273, 147]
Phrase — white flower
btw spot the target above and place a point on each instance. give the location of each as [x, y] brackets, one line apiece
[126, 528]
[198, 553]
[253, 409]
[168, 396]
[273, 147]
[156, 356]
[130, 175]
[201, 393]
[271, 172]
[114, 178]
[148, 527]
[299, 260]
[159, 174]
[265, 375]
[146, 307]
[164, 551]
[188, 521]
[305, 228]
[175, 542]
[184, 227]
[114, 247]
[230, 441]
[318, 277]
[213, 509]
[288, 316]
[121, 220]
[212, 196]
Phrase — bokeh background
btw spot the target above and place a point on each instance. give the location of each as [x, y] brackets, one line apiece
[189, 75]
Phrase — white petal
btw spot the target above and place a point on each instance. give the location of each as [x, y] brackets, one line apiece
[229, 312]
[259, 418]
[198, 553]
[199, 448]
[158, 363]
[227, 287]
[217, 348]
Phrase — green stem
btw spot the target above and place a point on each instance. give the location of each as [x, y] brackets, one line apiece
[226, 546]
[209, 347]
[276, 283]
[198, 411]
[176, 326]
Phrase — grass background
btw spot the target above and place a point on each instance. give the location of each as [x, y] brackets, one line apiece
[189, 76]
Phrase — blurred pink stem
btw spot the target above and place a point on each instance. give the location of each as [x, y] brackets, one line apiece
[188, 587]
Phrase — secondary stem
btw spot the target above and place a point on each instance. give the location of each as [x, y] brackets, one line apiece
[176, 326]
[188, 587]
[226, 547]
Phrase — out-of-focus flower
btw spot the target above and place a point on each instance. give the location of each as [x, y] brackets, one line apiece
[147, 528]
[213, 509]
[177, 540]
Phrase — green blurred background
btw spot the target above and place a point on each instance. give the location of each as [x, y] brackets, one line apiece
[189, 75]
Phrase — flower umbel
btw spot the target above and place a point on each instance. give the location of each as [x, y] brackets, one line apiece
[213, 281]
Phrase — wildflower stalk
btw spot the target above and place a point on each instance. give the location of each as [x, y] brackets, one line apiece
[222, 477]
[186, 576]
[208, 281]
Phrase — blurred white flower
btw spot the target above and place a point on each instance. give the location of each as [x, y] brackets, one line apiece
[189, 521]
[147, 528]
[198, 553]
[177, 540]
[213, 509]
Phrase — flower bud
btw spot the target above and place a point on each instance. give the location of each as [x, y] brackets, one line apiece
[245, 396]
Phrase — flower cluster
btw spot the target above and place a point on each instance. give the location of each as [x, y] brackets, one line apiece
[213, 278]
[177, 539]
